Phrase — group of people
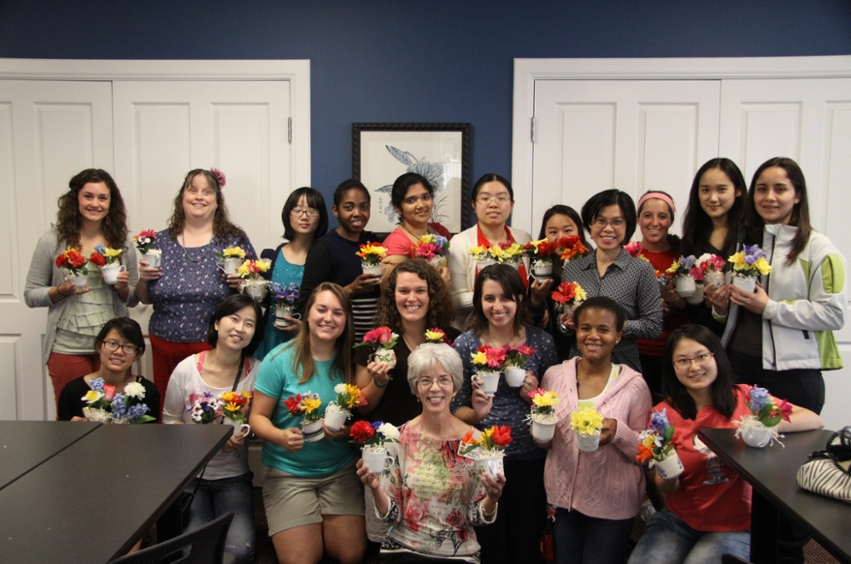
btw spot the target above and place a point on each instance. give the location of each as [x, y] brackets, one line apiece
[631, 344]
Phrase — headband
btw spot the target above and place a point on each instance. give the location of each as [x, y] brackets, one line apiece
[659, 196]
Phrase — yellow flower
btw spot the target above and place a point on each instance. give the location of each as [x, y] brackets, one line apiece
[230, 406]
[587, 421]
[243, 270]
[649, 441]
[263, 265]
[497, 252]
[480, 359]
[673, 268]
[233, 252]
[479, 252]
[739, 262]
[433, 336]
[547, 399]
[427, 238]
[92, 395]
[112, 252]
[309, 405]
[581, 296]
[514, 250]
[762, 265]
[228, 396]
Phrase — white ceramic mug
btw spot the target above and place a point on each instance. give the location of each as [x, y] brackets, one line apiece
[231, 264]
[515, 376]
[153, 258]
[110, 272]
[238, 428]
[282, 311]
[376, 270]
[490, 382]
[376, 462]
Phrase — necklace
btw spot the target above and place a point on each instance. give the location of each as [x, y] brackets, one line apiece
[204, 250]
[410, 234]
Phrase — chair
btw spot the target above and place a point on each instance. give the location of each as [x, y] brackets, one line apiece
[201, 546]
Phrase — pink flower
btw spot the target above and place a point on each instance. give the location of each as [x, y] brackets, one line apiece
[108, 392]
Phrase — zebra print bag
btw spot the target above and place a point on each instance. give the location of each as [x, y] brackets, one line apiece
[827, 471]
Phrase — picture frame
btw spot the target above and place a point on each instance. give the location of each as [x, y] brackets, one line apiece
[381, 152]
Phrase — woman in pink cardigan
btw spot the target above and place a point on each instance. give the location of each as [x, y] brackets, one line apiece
[596, 494]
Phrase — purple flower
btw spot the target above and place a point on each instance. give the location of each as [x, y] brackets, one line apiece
[754, 253]
[687, 262]
[659, 421]
[97, 385]
[759, 398]
[137, 411]
[119, 406]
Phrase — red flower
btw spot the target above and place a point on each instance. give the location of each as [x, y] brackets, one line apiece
[109, 391]
[468, 438]
[566, 292]
[97, 259]
[361, 431]
[293, 404]
[379, 335]
[455, 519]
[572, 246]
[501, 435]
[150, 233]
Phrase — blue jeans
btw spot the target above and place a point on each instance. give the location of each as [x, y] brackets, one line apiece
[217, 497]
[668, 540]
[589, 540]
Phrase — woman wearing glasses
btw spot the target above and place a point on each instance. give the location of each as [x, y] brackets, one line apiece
[412, 197]
[118, 345]
[610, 271]
[305, 219]
[493, 200]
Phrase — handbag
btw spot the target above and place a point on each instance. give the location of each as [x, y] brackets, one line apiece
[828, 471]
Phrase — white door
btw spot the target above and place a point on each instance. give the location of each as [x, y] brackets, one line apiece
[49, 131]
[593, 135]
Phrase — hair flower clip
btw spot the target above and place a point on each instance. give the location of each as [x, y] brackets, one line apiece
[220, 177]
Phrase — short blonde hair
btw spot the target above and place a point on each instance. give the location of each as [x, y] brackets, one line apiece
[427, 355]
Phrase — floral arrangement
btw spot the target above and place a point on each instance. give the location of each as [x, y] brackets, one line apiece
[349, 397]
[252, 269]
[489, 442]
[765, 409]
[571, 247]
[73, 261]
[507, 252]
[304, 404]
[543, 405]
[635, 249]
[104, 255]
[206, 408]
[145, 241]
[436, 335]
[235, 405]
[430, 247]
[568, 294]
[684, 266]
[654, 443]
[285, 294]
[516, 356]
[489, 359]
[373, 434]
[372, 253]
[480, 253]
[750, 262]
[107, 405]
[380, 337]
[542, 250]
[230, 252]
[586, 421]
[710, 263]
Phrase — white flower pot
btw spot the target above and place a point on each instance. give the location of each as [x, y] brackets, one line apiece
[685, 285]
[490, 382]
[238, 428]
[543, 432]
[587, 443]
[282, 311]
[110, 272]
[491, 464]
[746, 283]
[436, 262]
[255, 289]
[515, 376]
[154, 258]
[376, 459]
[757, 437]
[335, 417]
[542, 270]
[231, 264]
[385, 355]
[313, 431]
[375, 270]
[714, 277]
[697, 297]
[669, 468]
[81, 282]
[514, 264]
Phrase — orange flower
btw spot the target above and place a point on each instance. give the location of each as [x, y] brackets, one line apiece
[501, 435]
[644, 454]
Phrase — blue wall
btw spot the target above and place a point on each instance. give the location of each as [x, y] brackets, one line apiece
[405, 61]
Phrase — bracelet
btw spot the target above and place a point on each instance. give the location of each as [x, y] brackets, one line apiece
[492, 513]
[378, 384]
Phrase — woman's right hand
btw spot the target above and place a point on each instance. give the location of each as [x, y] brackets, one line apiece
[68, 288]
[369, 479]
[567, 320]
[379, 371]
[363, 284]
[292, 439]
[718, 298]
[482, 404]
[148, 273]
[293, 328]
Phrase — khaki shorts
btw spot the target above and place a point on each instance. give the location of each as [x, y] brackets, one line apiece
[294, 501]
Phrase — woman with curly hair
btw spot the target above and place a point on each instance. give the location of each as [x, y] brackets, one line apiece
[91, 213]
[188, 285]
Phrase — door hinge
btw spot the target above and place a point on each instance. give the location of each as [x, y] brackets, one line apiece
[290, 130]
[532, 130]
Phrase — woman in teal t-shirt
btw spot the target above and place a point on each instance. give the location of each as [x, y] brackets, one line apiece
[313, 500]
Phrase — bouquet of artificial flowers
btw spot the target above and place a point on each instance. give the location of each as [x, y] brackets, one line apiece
[236, 405]
[758, 429]
[543, 416]
[252, 282]
[338, 411]
[541, 254]
[712, 267]
[382, 340]
[568, 295]
[106, 405]
[588, 423]
[371, 253]
[507, 252]
[571, 247]
[655, 446]
[515, 363]
[489, 362]
[75, 264]
[436, 335]
[145, 241]
[432, 248]
[749, 263]
[307, 405]
[372, 437]
[206, 408]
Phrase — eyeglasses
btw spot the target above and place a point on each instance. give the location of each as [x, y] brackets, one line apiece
[128, 349]
[309, 212]
[601, 223]
[700, 360]
[501, 199]
[443, 382]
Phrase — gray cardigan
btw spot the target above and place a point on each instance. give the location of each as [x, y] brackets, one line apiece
[44, 274]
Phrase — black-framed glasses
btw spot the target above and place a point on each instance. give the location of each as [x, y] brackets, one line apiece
[309, 212]
[700, 360]
[128, 349]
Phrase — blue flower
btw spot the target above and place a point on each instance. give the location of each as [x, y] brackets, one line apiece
[119, 406]
[759, 399]
[659, 421]
[137, 411]
[100, 249]
[97, 384]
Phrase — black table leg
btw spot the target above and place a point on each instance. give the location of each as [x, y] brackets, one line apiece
[169, 524]
[763, 530]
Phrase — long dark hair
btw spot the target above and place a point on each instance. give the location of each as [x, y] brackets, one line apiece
[800, 212]
[69, 221]
[440, 311]
[223, 229]
[511, 283]
[314, 200]
[229, 306]
[723, 395]
[697, 226]
[561, 209]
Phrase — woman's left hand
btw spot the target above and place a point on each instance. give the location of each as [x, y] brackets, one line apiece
[609, 430]
[293, 328]
[235, 442]
[369, 479]
[671, 297]
[540, 291]
[493, 487]
[754, 302]
[232, 280]
[335, 435]
[530, 384]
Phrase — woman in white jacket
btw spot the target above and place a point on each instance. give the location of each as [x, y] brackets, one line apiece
[792, 314]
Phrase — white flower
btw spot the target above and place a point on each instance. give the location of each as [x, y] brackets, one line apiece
[339, 388]
[135, 390]
[388, 431]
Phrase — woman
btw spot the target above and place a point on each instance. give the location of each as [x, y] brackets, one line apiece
[431, 494]
[333, 258]
[312, 497]
[595, 512]
[791, 323]
[611, 271]
[708, 507]
[714, 223]
[118, 344]
[493, 200]
[661, 249]
[91, 213]
[226, 484]
[305, 220]
[558, 221]
[412, 197]
[500, 319]
[414, 301]
[188, 286]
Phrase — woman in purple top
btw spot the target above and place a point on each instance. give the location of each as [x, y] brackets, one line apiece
[188, 285]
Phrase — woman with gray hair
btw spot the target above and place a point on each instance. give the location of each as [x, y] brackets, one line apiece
[431, 494]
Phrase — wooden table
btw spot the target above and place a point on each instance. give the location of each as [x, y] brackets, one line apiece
[93, 500]
[772, 472]
[24, 445]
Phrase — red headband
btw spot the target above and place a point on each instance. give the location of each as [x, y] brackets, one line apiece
[659, 196]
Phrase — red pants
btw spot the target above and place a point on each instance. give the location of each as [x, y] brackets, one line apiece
[166, 356]
[63, 368]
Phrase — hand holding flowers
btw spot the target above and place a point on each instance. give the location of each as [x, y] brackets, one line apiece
[106, 405]
[759, 428]
[382, 340]
[655, 448]
[371, 253]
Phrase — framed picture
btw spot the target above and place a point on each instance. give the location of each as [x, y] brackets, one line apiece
[381, 152]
